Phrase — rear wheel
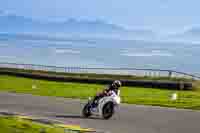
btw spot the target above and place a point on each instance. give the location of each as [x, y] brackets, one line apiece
[86, 110]
[108, 110]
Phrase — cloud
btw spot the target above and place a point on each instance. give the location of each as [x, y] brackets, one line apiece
[147, 54]
[4, 13]
[1, 12]
[68, 51]
[7, 57]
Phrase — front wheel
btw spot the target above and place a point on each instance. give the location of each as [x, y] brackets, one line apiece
[108, 110]
[86, 110]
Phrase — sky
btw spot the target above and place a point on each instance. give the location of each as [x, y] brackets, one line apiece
[158, 15]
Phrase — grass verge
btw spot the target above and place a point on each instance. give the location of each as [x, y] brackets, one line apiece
[17, 125]
[131, 95]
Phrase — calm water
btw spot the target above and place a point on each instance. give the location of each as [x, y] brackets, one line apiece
[103, 53]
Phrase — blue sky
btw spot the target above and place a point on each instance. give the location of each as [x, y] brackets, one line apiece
[159, 15]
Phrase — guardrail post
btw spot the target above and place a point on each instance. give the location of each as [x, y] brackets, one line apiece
[154, 74]
[170, 74]
[181, 85]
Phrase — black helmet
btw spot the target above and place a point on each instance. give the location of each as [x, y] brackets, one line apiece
[117, 84]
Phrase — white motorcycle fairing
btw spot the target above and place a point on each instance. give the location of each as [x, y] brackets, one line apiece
[114, 98]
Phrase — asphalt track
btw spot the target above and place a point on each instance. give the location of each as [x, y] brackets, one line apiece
[131, 119]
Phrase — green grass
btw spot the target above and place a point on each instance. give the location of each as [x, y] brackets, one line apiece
[17, 125]
[131, 95]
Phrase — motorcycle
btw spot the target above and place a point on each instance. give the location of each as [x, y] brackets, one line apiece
[106, 106]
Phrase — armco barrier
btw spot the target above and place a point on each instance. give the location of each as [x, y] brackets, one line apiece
[149, 84]
[113, 71]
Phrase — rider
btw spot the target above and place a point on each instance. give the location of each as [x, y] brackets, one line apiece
[106, 92]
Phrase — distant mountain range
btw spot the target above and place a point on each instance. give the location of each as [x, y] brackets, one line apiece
[19, 24]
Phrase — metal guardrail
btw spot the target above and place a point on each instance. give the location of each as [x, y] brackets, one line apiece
[118, 71]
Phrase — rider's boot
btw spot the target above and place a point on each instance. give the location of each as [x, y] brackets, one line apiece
[94, 103]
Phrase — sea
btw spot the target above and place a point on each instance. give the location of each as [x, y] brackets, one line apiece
[178, 56]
